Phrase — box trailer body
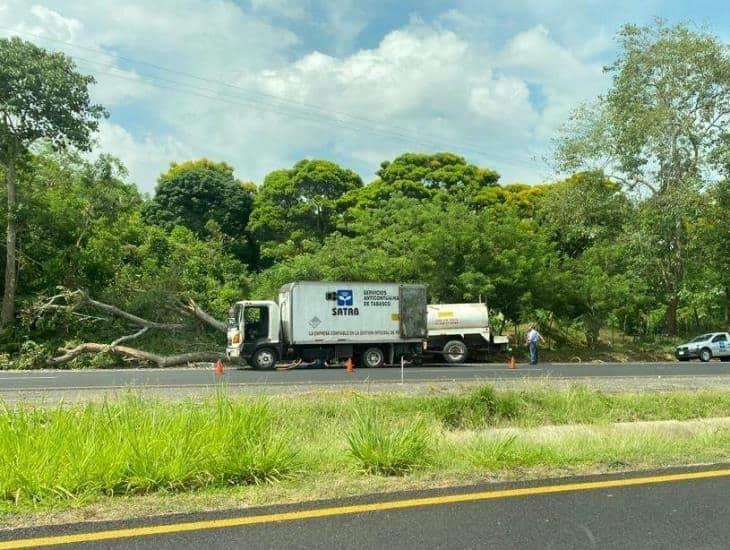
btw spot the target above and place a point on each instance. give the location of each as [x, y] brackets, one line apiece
[373, 323]
[457, 331]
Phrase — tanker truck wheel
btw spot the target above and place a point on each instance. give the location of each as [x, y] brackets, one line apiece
[264, 358]
[455, 351]
[373, 358]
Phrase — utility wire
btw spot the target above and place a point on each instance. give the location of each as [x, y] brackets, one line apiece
[271, 102]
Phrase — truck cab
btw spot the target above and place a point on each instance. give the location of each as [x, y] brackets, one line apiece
[254, 332]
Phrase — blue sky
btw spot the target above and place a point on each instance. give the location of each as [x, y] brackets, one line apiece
[264, 83]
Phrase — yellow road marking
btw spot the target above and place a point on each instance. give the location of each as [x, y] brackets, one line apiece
[354, 509]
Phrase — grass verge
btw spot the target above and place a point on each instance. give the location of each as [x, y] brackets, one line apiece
[269, 450]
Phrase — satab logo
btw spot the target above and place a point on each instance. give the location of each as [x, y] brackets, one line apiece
[344, 298]
[345, 301]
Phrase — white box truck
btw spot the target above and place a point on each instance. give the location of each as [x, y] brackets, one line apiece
[373, 323]
[458, 331]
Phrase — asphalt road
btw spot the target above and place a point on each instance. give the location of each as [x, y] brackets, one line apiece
[647, 510]
[17, 381]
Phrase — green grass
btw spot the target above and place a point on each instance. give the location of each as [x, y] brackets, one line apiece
[387, 447]
[600, 447]
[74, 454]
[138, 446]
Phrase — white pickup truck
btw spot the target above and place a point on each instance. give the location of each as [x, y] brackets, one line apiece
[705, 347]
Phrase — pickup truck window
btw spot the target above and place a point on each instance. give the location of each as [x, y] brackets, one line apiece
[720, 338]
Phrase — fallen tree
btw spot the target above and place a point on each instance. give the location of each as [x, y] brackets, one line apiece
[137, 354]
[74, 301]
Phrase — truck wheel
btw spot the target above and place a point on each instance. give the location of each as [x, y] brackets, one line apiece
[264, 358]
[455, 351]
[373, 358]
[705, 355]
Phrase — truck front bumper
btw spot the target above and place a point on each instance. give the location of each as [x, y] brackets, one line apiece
[233, 352]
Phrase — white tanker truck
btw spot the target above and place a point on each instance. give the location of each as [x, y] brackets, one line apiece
[458, 331]
[376, 323]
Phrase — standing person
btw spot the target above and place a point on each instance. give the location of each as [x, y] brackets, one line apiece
[533, 337]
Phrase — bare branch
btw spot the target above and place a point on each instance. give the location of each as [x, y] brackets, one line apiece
[195, 309]
[129, 337]
[114, 310]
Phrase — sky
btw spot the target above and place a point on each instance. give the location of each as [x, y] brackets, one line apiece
[261, 84]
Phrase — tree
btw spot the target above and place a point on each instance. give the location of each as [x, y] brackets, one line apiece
[711, 249]
[459, 253]
[585, 216]
[300, 205]
[41, 97]
[520, 195]
[197, 191]
[581, 211]
[661, 127]
[438, 171]
[58, 190]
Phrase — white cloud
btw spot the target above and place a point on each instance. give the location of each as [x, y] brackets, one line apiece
[291, 9]
[54, 23]
[52, 30]
[564, 78]
[261, 101]
[145, 157]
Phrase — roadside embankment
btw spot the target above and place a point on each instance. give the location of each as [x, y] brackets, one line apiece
[140, 456]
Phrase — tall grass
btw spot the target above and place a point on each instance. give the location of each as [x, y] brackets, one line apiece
[139, 446]
[593, 447]
[67, 454]
[539, 405]
[387, 447]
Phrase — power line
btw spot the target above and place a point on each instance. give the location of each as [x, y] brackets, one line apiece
[301, 110]
[182, 87]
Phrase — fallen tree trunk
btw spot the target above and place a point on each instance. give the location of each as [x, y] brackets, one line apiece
[79, 298]
[114, 310]
[134, 353]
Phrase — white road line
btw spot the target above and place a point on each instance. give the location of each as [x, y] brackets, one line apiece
[27, 377]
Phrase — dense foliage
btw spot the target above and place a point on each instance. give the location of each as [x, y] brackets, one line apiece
[589, 251]
[42, 96]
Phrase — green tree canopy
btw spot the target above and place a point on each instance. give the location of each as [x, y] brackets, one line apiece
[42, 96]
[300, 204]
[661, 130]
[665, 116]
[195, 192]
[582, 210]
[437, 171]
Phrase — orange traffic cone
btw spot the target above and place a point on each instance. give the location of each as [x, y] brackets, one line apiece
[512, 364]
[349, 366]
[218, 368]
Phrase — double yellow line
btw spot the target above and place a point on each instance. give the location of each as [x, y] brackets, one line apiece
[95, 536]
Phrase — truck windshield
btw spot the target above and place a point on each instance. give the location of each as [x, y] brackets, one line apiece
[234, 314]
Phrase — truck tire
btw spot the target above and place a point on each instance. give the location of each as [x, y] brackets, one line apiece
[264, 358]
[455, 351]
[705, 355]
[373, 358]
